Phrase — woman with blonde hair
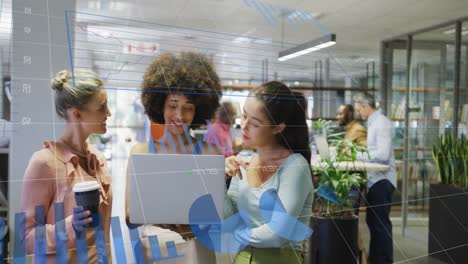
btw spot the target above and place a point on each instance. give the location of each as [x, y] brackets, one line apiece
[53, 171]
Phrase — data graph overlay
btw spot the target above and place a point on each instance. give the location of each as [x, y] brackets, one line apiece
[120, 50]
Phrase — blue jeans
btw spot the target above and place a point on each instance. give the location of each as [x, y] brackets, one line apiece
[379, 199]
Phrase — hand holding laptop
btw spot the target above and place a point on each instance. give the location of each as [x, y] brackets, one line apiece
[184, 230]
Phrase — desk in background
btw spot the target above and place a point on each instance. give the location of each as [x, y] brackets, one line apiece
[357, 166]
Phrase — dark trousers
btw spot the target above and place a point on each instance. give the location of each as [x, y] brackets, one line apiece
[379, 199]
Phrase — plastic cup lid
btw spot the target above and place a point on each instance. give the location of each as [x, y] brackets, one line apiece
[86, 186]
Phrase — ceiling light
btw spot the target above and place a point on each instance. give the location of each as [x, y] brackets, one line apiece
[294, 14]
[307, 47]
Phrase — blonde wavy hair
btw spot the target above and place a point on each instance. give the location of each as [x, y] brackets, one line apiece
[74, 89]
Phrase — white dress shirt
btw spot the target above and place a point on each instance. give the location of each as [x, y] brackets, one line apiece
[380, 147]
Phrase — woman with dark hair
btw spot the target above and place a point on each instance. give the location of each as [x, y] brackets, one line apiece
[181, 92]
[189, 81]
[273, 121]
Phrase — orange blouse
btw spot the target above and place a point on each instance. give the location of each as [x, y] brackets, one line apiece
[49, 178]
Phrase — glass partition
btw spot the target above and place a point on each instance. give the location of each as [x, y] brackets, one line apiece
[463, 107]
[432, 106]
[396, 109]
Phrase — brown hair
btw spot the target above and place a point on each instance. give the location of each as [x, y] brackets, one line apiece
[225, 112]
[288, 107]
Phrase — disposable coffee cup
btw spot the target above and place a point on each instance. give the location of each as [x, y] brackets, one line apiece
[87, 196]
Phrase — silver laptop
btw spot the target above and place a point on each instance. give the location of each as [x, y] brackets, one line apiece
[322, 145]
[163, 187]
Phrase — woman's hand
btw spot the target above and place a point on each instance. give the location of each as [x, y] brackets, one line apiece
[184, 230]
[81, 218]
[233, 164]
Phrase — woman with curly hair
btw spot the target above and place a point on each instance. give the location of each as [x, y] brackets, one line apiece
[181, 92]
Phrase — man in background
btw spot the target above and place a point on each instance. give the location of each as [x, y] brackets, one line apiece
[380, 185]
[354, 131]
[219, 133]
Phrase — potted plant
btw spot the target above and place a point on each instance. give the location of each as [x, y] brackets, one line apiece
[322, 132]
[335, 223]
[326, 128]
[448, 216]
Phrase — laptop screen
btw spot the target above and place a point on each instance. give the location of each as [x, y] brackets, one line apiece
[322, 145]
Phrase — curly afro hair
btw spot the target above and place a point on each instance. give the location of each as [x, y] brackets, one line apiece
[187, 73]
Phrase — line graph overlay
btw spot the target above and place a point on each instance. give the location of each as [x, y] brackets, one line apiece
[120, 49]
